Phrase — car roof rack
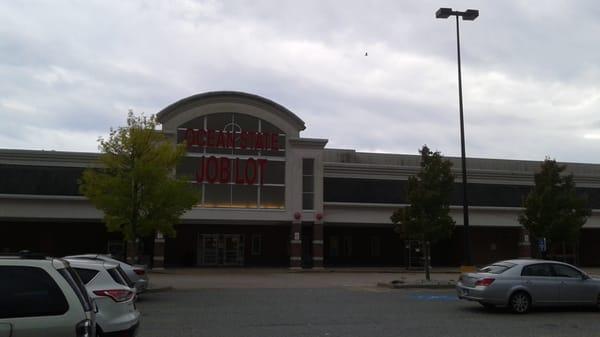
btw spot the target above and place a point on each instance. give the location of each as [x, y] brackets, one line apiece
[26, 254]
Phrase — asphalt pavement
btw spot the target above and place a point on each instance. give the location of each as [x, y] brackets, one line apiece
[264, 304]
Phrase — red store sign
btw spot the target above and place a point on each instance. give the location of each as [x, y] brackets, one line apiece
[227, 170]
[224, 170]
[248, 140]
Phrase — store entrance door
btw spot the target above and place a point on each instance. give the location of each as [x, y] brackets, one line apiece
[220, 250]
[233, 250]
[208, 249]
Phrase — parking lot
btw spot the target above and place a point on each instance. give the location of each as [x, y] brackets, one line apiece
[279, 303]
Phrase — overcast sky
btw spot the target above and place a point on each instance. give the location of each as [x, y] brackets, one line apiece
[69, 70]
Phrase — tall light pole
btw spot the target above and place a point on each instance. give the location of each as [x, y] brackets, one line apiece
[469, 15]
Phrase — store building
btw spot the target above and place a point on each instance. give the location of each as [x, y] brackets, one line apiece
[273, 198]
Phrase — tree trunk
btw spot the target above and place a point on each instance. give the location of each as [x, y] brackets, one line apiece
[139, 251]
[150, 251]
[427, 259]
[131, 252]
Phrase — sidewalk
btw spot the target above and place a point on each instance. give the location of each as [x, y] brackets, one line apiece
[229, 278]
[220, 278]
[251, 270]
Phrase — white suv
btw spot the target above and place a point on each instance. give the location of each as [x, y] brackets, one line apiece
[42, 296]
[135, 274]
[117, 314]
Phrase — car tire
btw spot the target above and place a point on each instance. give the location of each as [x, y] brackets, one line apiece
[519, 302]
[488, 306]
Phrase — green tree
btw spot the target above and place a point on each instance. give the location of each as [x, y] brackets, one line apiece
[135, 185]
[553, 210]
[427, 217]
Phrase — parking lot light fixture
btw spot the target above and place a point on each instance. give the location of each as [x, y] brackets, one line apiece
[468, 15]
[443, 13]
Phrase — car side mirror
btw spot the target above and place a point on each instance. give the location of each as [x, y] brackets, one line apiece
[585, 277]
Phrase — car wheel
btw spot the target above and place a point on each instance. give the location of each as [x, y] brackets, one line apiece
[519, 302]
[488, 305]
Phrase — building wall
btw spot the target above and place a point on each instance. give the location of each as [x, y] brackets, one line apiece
[182, 250]
[55, 238]
[589, 247]
[354, 195]
[355, 246]
[488, 244]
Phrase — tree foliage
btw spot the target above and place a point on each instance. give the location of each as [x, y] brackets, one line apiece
[553, 210]
[429, 192]
[135, 185]
[427, 217]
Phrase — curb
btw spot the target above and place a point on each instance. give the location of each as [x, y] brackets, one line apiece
[161, 271]
[323, 270]
[158, 290]
[441, 285]
[367, 271]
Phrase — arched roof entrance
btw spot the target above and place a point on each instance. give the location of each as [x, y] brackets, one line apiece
[207, 103]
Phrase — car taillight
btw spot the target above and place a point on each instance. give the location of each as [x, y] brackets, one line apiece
[84, 329]
[118, 295]
[139, 271]
[484, 282]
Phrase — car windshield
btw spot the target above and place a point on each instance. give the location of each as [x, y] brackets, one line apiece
[498, 268]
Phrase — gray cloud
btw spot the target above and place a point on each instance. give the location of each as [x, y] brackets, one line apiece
[72, 70]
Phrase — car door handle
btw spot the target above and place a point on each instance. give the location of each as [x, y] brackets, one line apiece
[5, 329]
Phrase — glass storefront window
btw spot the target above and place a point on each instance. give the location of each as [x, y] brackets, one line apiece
[256, 244]
[187, 168]
[244, 196]
[308, 179]
[308, 185]
[217, 195]
[308, 167]
[245, 122]
[219, 121]
[307, 201]
[272, 197]
[268, 127]
[275, 173]
[197, 123]
[275, 132]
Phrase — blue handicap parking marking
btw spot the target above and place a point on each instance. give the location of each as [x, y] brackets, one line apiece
[434, 298]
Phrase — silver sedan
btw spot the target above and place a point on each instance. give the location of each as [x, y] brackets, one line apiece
[523, 283]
